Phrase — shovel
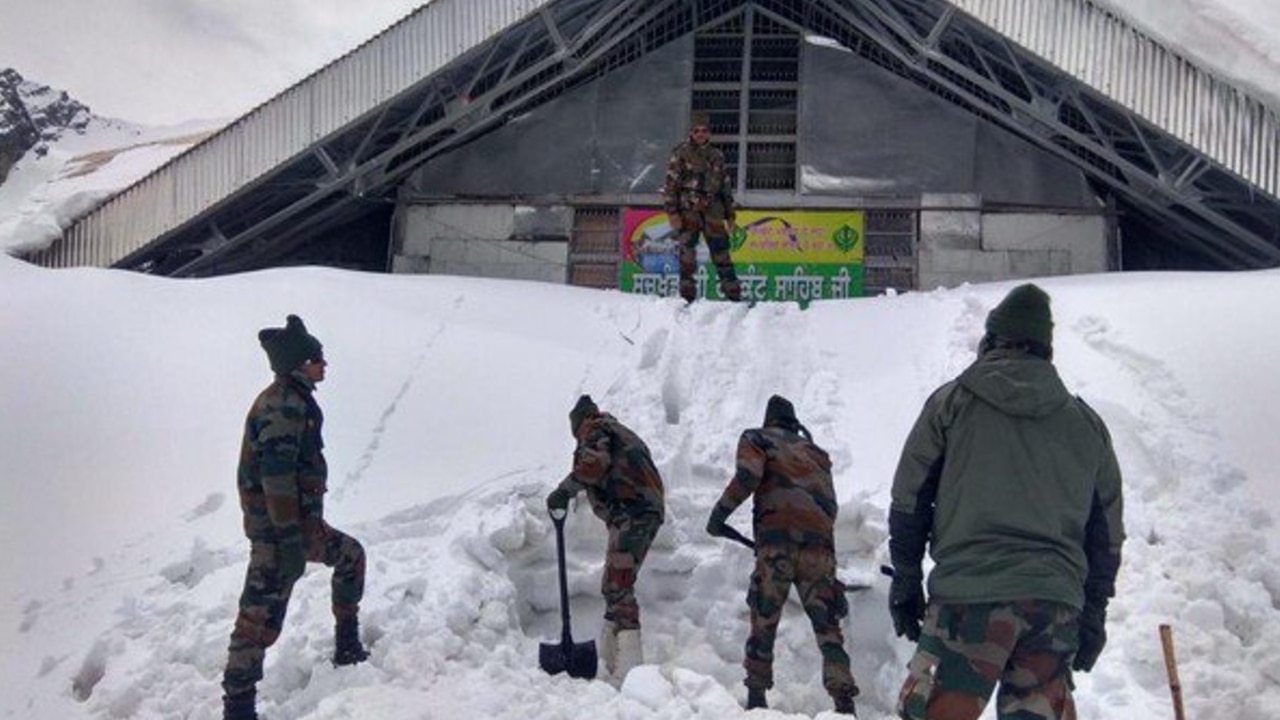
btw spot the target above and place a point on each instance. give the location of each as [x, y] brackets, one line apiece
[734, 535]
[577, 659]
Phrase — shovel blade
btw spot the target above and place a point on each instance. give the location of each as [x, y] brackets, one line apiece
[579, 660]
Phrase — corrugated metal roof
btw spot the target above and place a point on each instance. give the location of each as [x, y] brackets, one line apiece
[1110, 56]
[1076, 36]
[390, 63]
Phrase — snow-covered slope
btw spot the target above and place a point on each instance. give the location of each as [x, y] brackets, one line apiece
[58, 160]
[78, 170]
[446, 422]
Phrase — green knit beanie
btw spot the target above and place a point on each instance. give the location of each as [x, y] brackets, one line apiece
[584, 408]
[290, 346]
[1023, 316]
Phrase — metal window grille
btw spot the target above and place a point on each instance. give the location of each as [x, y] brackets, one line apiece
[747, 78]
[594, 252]
[889, 260]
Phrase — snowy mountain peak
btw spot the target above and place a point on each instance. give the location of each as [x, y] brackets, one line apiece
[32, 116]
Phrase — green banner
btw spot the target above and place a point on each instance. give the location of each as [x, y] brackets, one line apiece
[792, 255]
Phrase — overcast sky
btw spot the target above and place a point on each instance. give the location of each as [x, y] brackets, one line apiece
[160, 62]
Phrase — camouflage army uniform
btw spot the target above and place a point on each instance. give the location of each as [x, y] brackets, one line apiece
[282, 481]
[1011, 484]
[699, 191]
[622, 484]
[793, 518]
[965, 649]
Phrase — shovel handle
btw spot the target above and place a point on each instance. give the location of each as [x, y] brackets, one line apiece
[557, 519]
[734, 535]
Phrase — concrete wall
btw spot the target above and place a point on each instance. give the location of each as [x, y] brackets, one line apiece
[960, 243]
[865, 134]
[500, 241]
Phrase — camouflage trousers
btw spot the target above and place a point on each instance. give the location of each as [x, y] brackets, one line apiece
[629, 541]
[266, 597]
[966, 649]
[812, 570]
[695, 224]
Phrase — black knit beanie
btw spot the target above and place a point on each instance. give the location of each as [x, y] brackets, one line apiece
[581, 410]
[1023, 316]
[781, 413]
[290, 346]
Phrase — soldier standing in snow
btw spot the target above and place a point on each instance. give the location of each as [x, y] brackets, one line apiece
[1013, 485]
[625, 490]
[794, 518]
[281, 480]
[698, 198]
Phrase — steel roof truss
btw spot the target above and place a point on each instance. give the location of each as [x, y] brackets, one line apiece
[998, 102]
[377, 170]
[570, 42]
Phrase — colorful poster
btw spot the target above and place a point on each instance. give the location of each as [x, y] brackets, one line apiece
[794, 255]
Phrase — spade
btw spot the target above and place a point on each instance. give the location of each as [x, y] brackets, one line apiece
[577, 659]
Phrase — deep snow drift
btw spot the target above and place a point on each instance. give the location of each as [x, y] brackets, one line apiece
[446, 422]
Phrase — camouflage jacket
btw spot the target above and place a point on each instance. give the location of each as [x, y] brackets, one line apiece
[790, 477]
[697, 181]
[282, 474]
[615, 468]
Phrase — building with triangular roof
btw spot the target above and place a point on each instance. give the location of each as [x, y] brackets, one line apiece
[951, 141]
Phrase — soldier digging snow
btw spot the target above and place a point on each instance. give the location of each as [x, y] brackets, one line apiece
[1012, 484]
[282, 484]
[625, 491]
[698, 198]
[794, 518]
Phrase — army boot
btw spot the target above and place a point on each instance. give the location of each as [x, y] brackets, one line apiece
[347, 649]
[608, 645]
[239, 706]
[756, 699]
[630, 652]
[844, 705]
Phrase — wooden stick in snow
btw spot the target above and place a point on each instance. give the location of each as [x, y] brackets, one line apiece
[1171, 666]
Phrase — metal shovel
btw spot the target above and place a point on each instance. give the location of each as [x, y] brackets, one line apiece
[734, 535]
[577, 659]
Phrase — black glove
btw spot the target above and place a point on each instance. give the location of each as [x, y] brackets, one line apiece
[906, 604]
[559, 499]
[1093, 636]
[291, 558]
[716, 525]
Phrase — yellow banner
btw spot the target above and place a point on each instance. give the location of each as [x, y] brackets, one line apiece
[805, 236]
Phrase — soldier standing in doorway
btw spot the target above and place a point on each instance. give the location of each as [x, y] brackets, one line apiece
[698, 199]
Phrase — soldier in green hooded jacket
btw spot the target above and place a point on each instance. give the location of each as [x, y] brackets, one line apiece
[1012, 485]
[282, 481]
[697, 196]
[794, 513]
[615, 468]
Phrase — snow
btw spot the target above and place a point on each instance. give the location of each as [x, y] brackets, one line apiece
[1237, 40]
[44, 194]
[446, 424]
[446, 410]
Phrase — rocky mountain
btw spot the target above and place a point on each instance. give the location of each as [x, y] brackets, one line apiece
[32, 116]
